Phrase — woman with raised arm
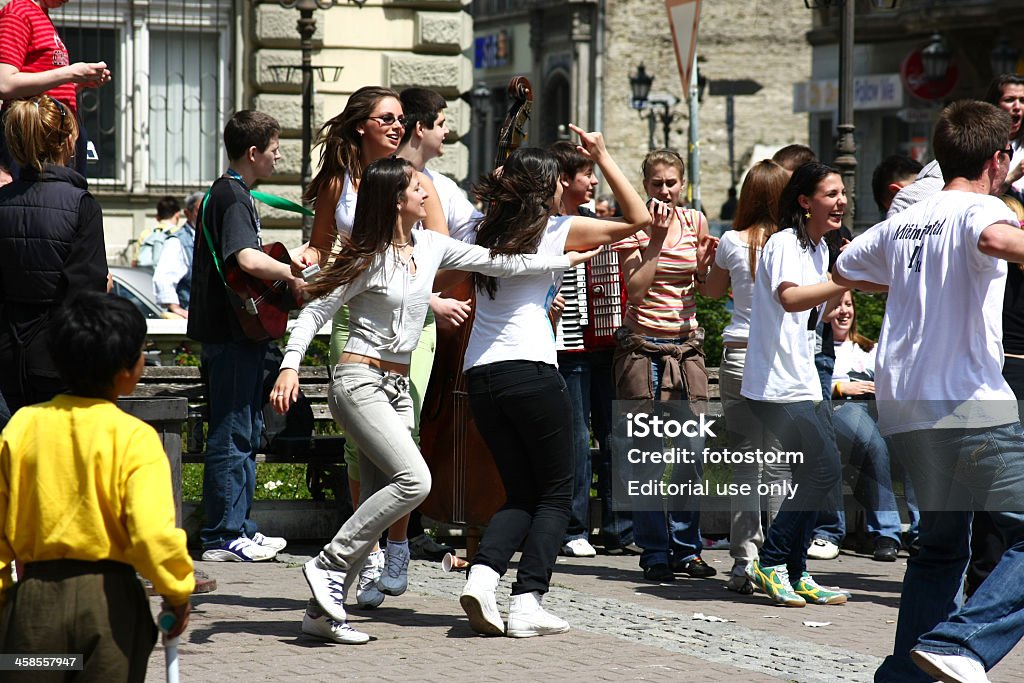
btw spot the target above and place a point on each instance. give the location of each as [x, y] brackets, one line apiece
[791, 292]
[517, 396]
[660, 352]
[384, 272]
[739, 251]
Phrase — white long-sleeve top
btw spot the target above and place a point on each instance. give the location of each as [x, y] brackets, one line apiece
[387, 304]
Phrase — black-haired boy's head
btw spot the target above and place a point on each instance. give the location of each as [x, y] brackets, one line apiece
[93, 337]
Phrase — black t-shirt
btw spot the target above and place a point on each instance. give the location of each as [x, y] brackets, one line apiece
[1013, 311]
[233, 225]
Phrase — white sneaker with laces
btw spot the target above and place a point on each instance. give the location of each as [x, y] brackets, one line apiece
[368, 595]
[823, 549]
[395, 577]
[950, 668]
[479, 602]
[322, 626]
[328, 587]
[239, 549]
[579, 547]
[276, 543]
[526, 618]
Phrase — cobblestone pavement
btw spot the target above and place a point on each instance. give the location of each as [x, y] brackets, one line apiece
[623, 628]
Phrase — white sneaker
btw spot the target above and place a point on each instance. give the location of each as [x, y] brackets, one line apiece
[324, 627]
[579, 547]
[367, 594]
[328, 587]
[479, 603]
[239, 549]
[950, 668]
[526, 618]
[395, 577]
[823, 549]
[276, 543]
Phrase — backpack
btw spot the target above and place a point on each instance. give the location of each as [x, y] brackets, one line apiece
[151, 245]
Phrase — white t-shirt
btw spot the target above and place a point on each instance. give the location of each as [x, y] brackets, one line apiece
[345, 209]
[733, 255]
[780, 350]
[852, 358]
[514, 325]
[1018, 157]
[461, 215]
[941, 342]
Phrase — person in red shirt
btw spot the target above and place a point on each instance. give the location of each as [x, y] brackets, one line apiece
[34, 60]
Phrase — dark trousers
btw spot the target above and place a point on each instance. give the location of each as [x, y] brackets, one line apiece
[95, 609]
[523, 413]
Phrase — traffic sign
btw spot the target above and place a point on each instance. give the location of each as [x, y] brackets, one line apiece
[743, 86]
[683, 17]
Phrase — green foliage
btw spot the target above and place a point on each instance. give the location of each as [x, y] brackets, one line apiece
[318, 353]
[713, 316]
[274, 481]
[870, 310]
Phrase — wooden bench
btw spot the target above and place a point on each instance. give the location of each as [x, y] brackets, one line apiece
[323, 451]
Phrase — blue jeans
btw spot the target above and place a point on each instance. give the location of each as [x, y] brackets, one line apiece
[864, 448]
[588, 379]
[521, 409]
[803, 426]
[234, 391]
[672, 537]
[950, 467]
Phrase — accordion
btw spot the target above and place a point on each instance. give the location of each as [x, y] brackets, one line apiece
[595, 298]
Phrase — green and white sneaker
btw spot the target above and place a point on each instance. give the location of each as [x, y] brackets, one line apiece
[775, 582]
[810, 591]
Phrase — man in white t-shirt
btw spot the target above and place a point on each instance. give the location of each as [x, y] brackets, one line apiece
[942, 400]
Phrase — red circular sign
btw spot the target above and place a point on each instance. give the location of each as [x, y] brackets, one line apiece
[917, 82]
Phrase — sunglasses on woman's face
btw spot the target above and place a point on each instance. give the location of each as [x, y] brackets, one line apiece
[386, 120]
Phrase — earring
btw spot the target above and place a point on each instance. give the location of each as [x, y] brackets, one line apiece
[807, 213]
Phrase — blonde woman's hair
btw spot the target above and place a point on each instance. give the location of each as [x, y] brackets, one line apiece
[1018, 210]
[37, 131]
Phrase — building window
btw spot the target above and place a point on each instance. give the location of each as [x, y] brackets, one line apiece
[157, 126]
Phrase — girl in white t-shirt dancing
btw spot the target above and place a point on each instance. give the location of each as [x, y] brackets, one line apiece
[779, 377]
[517, 396]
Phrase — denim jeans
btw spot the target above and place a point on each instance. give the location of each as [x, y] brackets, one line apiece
[375, 408]
[5, 413]
[987, 467]
[673, 536]
[803, 426]
[742, 434]
[588, 379]
[234, 390]
[864, 448]
[522, 411]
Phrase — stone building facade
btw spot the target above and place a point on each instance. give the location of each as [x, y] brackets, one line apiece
[580, 54]
[181, 68]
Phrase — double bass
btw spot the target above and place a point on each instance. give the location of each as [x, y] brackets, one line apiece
[467, 489]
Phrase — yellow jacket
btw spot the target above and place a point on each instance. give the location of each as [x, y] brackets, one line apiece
[82, 480]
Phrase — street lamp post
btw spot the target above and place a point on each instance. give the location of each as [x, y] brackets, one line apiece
[846, 145]
[658, 105]
[306, 27]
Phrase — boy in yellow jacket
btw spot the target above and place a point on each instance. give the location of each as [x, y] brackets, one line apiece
[85, 501]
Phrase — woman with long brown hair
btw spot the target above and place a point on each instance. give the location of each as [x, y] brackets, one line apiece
[736, 260]
[384, 272]
[518, 398]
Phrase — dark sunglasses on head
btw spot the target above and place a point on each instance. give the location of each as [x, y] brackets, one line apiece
[1008, 152]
